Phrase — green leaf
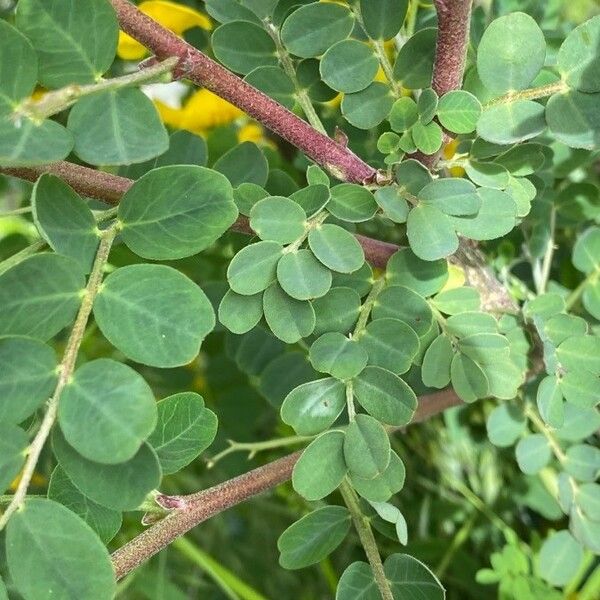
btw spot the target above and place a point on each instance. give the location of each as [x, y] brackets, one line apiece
[67, 225]
[242, 46]
[321, 467]
[153, 314]
[427, 138]
[312, 407]
[410, 578]
[117, 128]
[383, 487]
[28, 375]
[254, 268]
[351, 202]
[588, 500]
[385, 396]
[66, 556]
[469, 322]
[458, 111]
[549, 400]
[468, 379]
[106, 411]
[485, 347]
[360, 280]
[313, 28]
[314, 537]
[577, 58]
[30, 143]
[591, 298]
[191, 208]
[230, 10]
[244, 163]
[309, 78]
[366, 447]
[289, 319]
[382, 19]
[522, 160]
[533, 453]
[505, 425]
[453, 196]
[388, 143]
[583, 462]
[104, 521]
[40, 295]
[391, 202]
[580, 388]
[398, 302]
[404, 114]
[511, 122]
[337, 355]
[414, 63]
[312, 198]
[504, 378]
[458, 300]
[586, 252]
[435, 370]
[488, 174]
[274, 82]
[496, 217]
[240, 313]
[14, 444]
[422, 276]
[278, 219]
[561, 326]
[511, 53]
[357, 581]
[65, 37]
[574, 119]
[580, 353]
[185, 428]
[18, 81]
[246, 195]
[121, 487]
[369, 107]
[349, 66]
[579, 423]
[427, 105]
[390, 344]
[560, 558]
[337, 310]
[430, 233]
[336, 248]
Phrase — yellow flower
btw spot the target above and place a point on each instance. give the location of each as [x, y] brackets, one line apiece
[251, 132]
[36, 480]
[176, 17]
[456, 278]
[449, 152]
[201, 111]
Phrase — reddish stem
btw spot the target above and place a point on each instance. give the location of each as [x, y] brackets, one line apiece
[199, 68]
[203, 505]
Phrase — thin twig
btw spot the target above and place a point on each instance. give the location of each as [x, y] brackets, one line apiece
[339, 160]
[66, 369]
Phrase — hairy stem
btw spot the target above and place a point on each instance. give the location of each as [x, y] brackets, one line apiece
[66, 368]
[367, 539]
[201, 70]
[201, 506]
[543, 91]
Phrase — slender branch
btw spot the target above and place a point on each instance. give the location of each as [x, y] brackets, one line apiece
[201, 506]
[58, 100]
[535, 93]
[367, 539]
[109, 188]
[454, 20]
[67, 367]
[341, 162]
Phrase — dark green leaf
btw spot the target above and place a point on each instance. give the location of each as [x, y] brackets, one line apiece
[13, 448]
[154, 314]
[369, 107]
[382, 19]
[578, 57]
[191, 208]
[435, 370]
[254, 268]
[349, 66]
[240, 313]
[336, 248]
[289, 319]
[184, 430]
[337, 355]
[244, 163]
[511, 122]
[66, 556]
[321, 467]
[312, 407]
[366, 447]
[278, 219]
[313, 537]
[430, 233]
[414, 63]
